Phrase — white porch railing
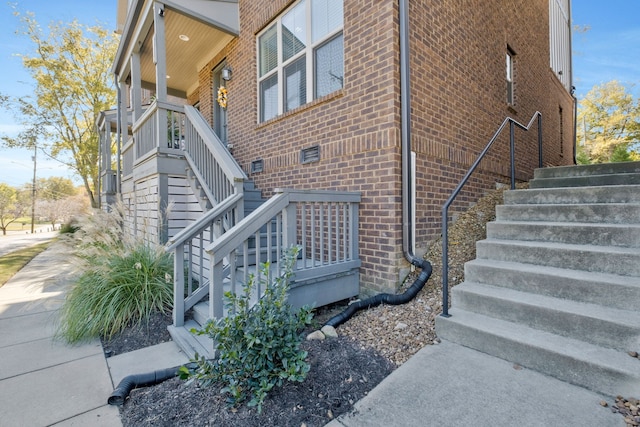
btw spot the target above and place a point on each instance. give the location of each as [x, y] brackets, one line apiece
[191, 263]
[323, 223]
[221, 179]
[214, 167]
[160, 129]
[219, 250]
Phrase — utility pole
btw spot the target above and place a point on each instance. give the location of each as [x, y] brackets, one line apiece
[33, 189]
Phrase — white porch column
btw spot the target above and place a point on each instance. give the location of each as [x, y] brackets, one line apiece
[124, 133]
[136, 87]
[160, 60]
[105, 145]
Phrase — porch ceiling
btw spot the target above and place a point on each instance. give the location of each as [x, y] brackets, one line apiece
[191, 41]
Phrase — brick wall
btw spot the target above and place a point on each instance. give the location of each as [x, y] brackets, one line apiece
[459, 97]
[458, 101]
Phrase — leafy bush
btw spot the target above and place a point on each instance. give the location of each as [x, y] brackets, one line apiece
[123, 280]
[259, 346]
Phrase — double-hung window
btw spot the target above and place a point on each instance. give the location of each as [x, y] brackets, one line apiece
[509, 75]
[300, 57]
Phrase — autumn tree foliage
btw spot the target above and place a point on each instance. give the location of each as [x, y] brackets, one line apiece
[58, 201]
[13, 204]
[70, 66]
[608, 125]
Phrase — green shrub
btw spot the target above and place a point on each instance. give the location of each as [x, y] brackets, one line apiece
[124, 288]
[259, 346]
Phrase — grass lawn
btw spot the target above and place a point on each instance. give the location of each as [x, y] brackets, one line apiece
[23, 223]
[12, 262]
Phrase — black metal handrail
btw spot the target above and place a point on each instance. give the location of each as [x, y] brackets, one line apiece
[445, 208]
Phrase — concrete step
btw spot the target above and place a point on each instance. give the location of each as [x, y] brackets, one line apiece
[609, 290]
[586, 170]
[592, 323]
[190, 343]
[601, 259]
[586, 181]
[608, 371]
[579, 195]
[579, 233]
[611, 213]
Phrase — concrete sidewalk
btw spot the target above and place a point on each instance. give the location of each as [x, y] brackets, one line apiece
[45, 382]
[450, 385]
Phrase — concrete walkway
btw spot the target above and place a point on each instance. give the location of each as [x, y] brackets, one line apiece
[450, 385]
[44, 382]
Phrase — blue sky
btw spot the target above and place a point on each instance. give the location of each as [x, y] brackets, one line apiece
[609, 50]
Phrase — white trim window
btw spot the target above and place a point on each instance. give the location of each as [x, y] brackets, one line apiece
[509, 77]
[300, 57]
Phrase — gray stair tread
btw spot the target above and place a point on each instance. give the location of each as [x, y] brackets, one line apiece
[614, 360]
[611, 290]
[560, 205]
[614, 213]
[621, 235]
[608, 278]
[567, 195]
[571, 205]
[587, 170]
[613, 250]
[627, 318]
[594, 225]
[586, 180]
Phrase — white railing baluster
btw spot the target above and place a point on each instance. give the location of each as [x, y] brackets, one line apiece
[345, 231]
[245, 264]
[313, 236]
[189, 269]
[201, 254]
[279, 240]
[337, 232]
[270, 248]
[321, 231]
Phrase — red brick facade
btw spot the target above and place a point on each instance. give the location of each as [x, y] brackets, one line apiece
[458, 95]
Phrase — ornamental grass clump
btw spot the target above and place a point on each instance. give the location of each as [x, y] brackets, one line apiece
[258, 347]
[122, 282]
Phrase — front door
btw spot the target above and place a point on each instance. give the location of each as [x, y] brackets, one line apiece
[219, 113]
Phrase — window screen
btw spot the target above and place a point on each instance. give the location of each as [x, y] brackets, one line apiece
[329, 67]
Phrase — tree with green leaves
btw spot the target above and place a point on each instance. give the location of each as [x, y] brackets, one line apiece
[70, 65]
[12, 206]
[608, 125]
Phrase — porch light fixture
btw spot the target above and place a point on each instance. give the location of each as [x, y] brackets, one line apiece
[184, 37]
[226, 73]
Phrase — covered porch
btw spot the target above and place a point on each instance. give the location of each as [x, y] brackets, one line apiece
[164, 45]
